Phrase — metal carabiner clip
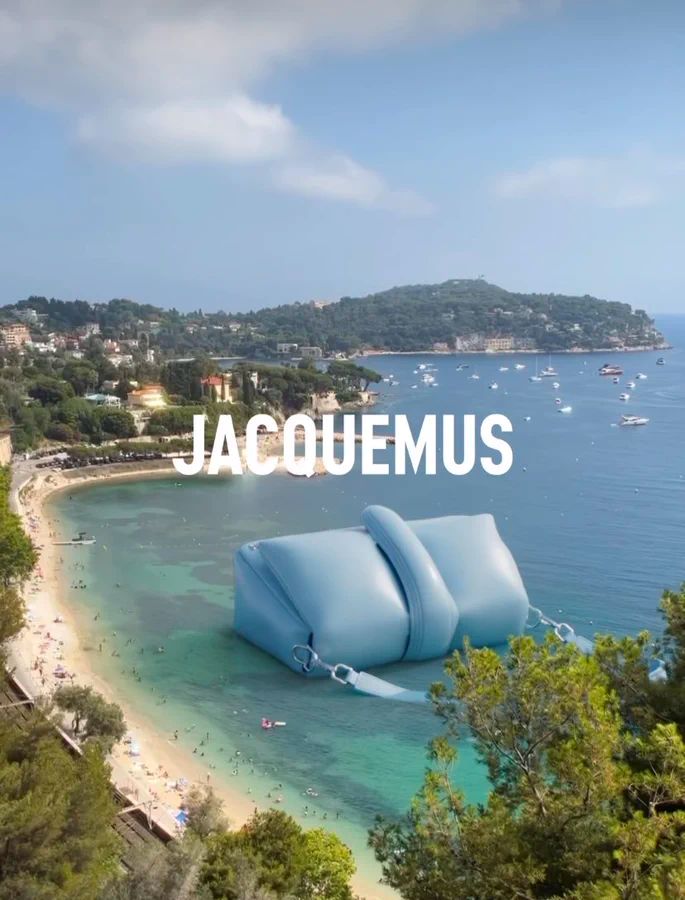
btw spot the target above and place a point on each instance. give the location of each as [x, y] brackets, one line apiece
[306, 656]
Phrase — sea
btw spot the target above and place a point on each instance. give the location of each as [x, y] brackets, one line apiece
[593, 513]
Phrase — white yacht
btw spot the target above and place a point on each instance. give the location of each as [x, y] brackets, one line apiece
[565, 409]
[633, 420]
[630, 385]
[520, 366]
[474, 377]
[640, 376]
[624, 397]
[493, 386]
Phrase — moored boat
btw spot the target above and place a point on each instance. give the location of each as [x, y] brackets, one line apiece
[633, 421]
[608, 369]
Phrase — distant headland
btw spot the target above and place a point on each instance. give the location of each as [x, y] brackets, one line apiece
[459, 315]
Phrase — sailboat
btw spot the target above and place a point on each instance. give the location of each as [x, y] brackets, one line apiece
[549, 371]
[535, 377]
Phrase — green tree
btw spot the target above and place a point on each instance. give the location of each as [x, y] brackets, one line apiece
[581, 806]
[205, 811]
[82, 376]
[18, 556]
[158, 872]
[50, 390]
[272, 852]
[117, 422]
[327, 867]
[12, 611]
[56, 810]
[93, 717]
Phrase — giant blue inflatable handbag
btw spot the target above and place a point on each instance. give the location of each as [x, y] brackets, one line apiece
[387, 591]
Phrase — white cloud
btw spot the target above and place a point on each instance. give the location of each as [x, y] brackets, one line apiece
[236, 130]
[636, 179]
[340, 178]
[170, 79]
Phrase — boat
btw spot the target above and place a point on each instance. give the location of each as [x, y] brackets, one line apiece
[624, 397]
[394, 383]
[633, 420]
[535, 377]
[640, 376]
[474, 377]
[630, 384]
[557, 400]
[549, 370]
[493, 386]
[504, 368]
[615, 379]
[556, 385]
[661, 361]
[565, 409]
[608, 369]
[422, 366]
[519, 366]
[82, 540]
[462, 366]
[269, 723]
[526, 418]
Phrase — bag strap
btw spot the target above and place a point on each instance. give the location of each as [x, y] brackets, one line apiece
[371, 685]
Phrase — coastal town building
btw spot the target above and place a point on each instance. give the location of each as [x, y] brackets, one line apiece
[28, 315]
[285, 347]
[151, 396]
[5, 448]
[311, 352]
[219, 387]
[504, 343]
[499, 344]
[120, 359]
[14, 336]
[110, 400]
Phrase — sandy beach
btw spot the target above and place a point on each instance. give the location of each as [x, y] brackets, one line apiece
[49, 653]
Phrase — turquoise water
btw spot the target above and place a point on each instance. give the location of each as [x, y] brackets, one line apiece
[594, 515]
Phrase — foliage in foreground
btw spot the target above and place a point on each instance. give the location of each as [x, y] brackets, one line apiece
[285, 860]
[56, 812]
[586, 763]
[270, 858]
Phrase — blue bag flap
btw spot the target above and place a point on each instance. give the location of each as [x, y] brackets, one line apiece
[480, 574]
[345, 592]
[433, 615]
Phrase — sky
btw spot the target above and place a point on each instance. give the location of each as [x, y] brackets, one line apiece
[236, 154]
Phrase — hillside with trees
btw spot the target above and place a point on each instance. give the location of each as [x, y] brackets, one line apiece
[408, 318]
